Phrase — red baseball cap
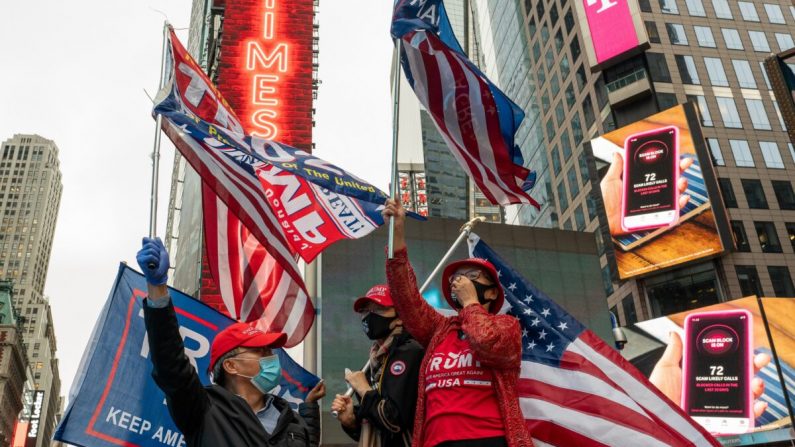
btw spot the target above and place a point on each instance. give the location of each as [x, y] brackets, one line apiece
[474, 262]
[378, 294]
[243, 335]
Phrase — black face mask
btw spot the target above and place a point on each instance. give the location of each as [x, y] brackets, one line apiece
[376, 326]
[480, 290]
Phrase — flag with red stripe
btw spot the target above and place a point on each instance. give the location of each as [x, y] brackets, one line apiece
[477, 121]
[254, 286]
[574, 389]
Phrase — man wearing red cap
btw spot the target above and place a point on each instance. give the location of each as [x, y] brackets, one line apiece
[468, 377]
[388, 396]
[237, 410]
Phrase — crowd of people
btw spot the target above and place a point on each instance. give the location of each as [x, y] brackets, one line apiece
[432, 380]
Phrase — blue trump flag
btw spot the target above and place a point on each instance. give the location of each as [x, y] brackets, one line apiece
[114, 400]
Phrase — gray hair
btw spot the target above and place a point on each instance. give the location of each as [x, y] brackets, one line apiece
[218, 375]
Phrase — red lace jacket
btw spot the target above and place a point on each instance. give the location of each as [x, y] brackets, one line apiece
[496, 339]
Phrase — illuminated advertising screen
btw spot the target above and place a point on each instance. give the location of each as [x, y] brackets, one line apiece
[564, 264]
[612, 30]
[656, 190]
[717, 363]
[34, 424]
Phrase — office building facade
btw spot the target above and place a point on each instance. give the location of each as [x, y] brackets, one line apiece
[709, 52]
[30, 194]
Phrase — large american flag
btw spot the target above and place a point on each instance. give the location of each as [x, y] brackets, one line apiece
[477, 121]
[252, 261]
[254, 286]
[574, 389]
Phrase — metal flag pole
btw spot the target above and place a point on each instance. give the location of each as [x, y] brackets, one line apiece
[465, 230]
[393, 190]
[156, 149]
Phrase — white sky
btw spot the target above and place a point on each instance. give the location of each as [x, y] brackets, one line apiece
[74, 72]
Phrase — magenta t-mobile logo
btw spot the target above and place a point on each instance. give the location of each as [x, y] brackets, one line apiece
[606, 4]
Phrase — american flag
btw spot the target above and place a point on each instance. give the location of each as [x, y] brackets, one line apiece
[250, 250]
[574, 389]
[254, 286]
[477, 121]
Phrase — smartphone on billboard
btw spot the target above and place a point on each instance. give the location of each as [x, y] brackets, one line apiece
[717, 368]
[651, 172]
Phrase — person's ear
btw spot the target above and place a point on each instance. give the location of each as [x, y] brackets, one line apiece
[230, 366]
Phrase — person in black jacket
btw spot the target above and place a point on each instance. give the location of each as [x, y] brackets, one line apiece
[388, 393]
[237, 410]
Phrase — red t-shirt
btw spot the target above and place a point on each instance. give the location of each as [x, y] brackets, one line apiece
[460, 399]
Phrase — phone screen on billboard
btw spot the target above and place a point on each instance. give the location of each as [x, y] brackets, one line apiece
[650, 195]
[717, 370]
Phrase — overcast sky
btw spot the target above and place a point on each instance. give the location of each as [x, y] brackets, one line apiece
[75, 72]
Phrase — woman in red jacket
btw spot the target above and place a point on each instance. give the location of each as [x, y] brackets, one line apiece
[468, 377]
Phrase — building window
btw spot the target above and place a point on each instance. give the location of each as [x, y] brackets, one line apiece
[576, 129]
[574, 46]
[744, 74]
[732, 38]
[768, 238]
[704, 36]
[774, 14]
[651, 30]
[587, 111]
[695, 8]
[784, 194]
[758, 114]
[574, 186]
[771, 155]
[559, 41]
[749, 280]
[658, 67]
[607, 280]
[563, 199]
[669, 7]
[748, 11]
[584, 169]
[553, 154]
[791, 151]
[782, 281]
[754, 194]
[568, 20]
[645, 6]
[666, 100]
[714, 149]
[676, 33]
[780, 117]
[630, 315]
[717, 76]
[592, 210]
[759, 41]
[740, 238]
[687, 69]
[791, 233]
[727, 191]
[728, 112]
[579, 219]
[784, 41]
[722, 10]
[565, 145]
[581, 78]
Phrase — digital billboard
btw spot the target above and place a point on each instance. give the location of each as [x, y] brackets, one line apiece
[564, 264]
[718, 364]
[657, 193]
[613, 30]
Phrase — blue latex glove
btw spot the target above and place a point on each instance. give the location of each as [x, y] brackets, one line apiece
[153, 261]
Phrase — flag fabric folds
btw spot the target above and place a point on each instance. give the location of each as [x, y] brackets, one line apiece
[477, 121]
[574, 389]
[254, 286]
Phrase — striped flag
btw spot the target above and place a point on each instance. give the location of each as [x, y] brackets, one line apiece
[477, 121]
[574, 389]
[254, 286]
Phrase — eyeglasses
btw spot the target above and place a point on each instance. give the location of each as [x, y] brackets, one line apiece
[471, 275]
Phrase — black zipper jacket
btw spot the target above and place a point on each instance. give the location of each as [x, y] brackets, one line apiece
[213, 416]
[391, 409]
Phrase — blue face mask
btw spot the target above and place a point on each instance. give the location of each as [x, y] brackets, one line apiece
[270, 371]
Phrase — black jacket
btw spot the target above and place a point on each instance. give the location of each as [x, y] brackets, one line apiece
[213, 416]
[391, 409]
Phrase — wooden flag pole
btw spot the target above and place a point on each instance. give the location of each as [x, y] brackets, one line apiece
[156, 149]
[393, 190]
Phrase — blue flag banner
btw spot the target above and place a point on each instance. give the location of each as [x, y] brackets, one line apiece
[114, 400]
[574, 389]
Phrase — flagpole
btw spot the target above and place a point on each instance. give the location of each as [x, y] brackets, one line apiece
[156, 148]
[393, 190]
[465, 230]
